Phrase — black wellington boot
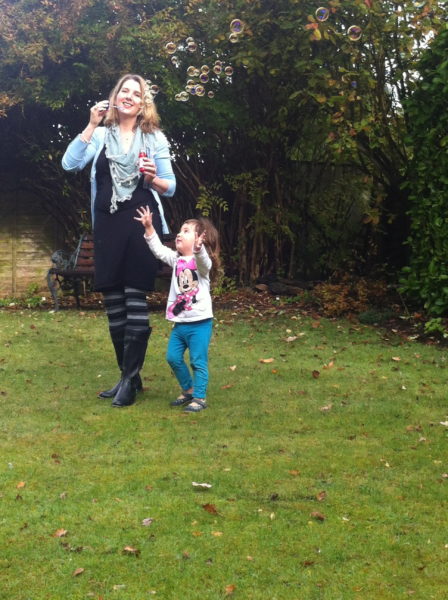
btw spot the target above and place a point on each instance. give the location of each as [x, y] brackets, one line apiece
[118, 342]
[135, 345]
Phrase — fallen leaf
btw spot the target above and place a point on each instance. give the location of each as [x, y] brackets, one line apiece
[147, 522]
[21, 485]
[60, 533]
[318, 516]
[131, 550]
[315, 324]
[226, 387]
[266, 360]
[330, 365]
[444, 423]
[291, 338]
[294, 472]
[119, 586]
[232, 368]
[77, 572]
[197, 533]
[326, 408]
[210, 508]
[204, 486]
[321, 496]
[396, 358]
[217, 533]
[315, 374]
[230, 589]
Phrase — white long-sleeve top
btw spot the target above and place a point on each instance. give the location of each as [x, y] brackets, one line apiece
[189, 297]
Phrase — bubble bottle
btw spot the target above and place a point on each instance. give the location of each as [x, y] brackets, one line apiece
[141, 156]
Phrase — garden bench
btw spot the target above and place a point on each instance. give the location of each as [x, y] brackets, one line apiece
[73, 273]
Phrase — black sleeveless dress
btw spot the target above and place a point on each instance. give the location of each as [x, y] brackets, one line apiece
[122, 256]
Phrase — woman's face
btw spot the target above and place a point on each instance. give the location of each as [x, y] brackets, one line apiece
[129, 98]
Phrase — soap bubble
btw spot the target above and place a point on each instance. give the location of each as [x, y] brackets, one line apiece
[211, 94]
[200, 90]
[419, 3]
[322, 14]
[183, 96]
[237, 26]
[177, 98]
[217, 69]
[189, 39]
[154, 89]
[233, 38]
[218, 62]
[203, 77]
[191, 82]
[170, 47]
[175, 61]
[205, 69]
[354, 33]
[228, 71]
[191, 71]
[192, 47]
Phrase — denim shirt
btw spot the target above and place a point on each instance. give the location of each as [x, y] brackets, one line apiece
[79, 154]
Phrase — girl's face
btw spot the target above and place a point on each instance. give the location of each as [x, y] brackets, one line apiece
[129, 98]
[185, 239]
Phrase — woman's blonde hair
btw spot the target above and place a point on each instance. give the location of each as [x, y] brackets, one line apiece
[148, 118]
[211, 244]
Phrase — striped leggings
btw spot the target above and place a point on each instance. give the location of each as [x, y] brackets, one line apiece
[127, 311]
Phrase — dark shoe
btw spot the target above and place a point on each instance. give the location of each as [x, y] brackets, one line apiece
[117, 338]
[184, 398]
[196, 405]
[136, 381]
[135, 345]
[125, 395]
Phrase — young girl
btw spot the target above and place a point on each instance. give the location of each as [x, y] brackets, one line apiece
[189, 304]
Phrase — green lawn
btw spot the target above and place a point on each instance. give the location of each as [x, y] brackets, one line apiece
[328, 465]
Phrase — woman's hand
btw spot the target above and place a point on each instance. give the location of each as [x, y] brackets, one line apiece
[97, 112]
[145, 218]
[148, 168]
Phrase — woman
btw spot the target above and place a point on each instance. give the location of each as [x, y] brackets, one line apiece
[121, 182]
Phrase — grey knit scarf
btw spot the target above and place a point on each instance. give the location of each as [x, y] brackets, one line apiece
[123, 167]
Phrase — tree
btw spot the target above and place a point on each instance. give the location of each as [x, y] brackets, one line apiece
[300, 155]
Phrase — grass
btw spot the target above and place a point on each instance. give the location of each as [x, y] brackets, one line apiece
[328, 465]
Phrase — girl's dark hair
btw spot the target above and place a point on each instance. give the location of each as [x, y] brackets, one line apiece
[211, 243]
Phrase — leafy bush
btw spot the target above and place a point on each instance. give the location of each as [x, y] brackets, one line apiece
[349, 296]
[426, 278]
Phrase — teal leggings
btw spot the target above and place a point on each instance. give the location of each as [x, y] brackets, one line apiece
[196, 337]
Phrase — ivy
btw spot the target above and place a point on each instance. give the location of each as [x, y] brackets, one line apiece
[426, 278]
